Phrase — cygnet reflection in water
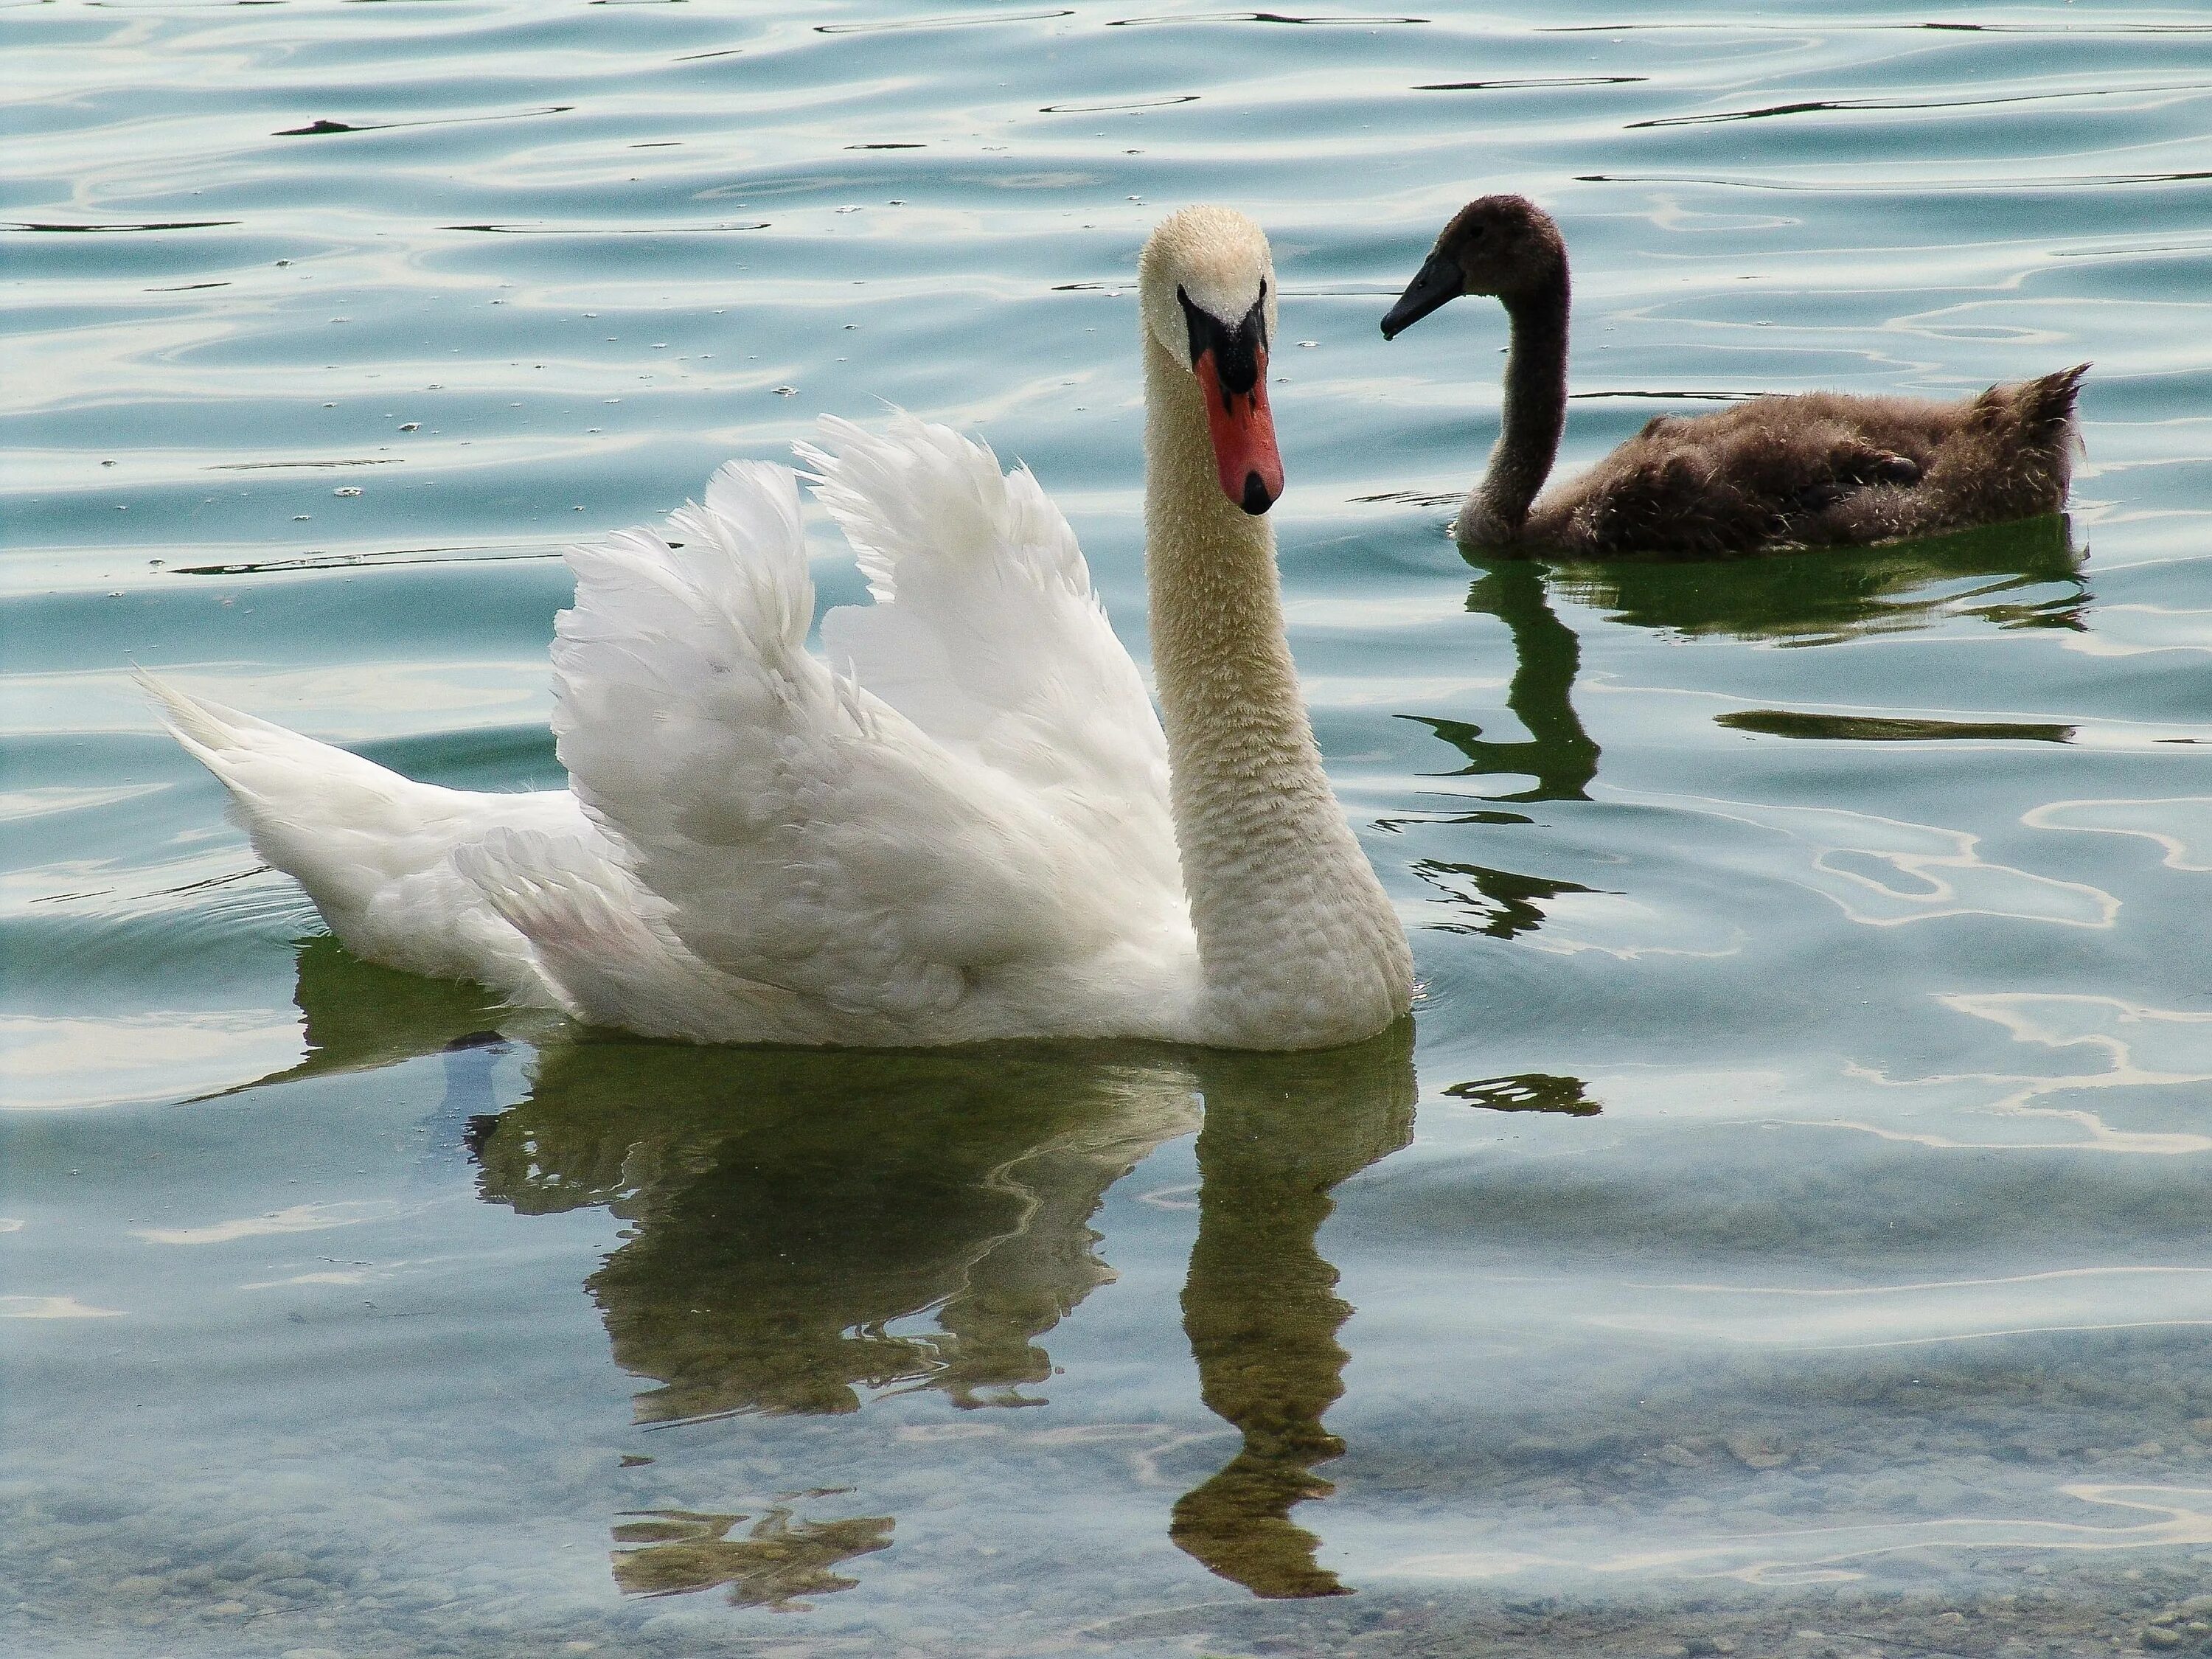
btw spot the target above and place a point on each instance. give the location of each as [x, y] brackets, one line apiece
[1816, 598]
[2022, 575]
[1825, 597]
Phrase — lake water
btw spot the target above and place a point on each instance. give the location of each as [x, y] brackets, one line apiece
[1786, 1223]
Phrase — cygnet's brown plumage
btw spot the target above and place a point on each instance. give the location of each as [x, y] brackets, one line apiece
[1817, 468]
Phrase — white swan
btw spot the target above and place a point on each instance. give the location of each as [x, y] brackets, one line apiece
[980, 831]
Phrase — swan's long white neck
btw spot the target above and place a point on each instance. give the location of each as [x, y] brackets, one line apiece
[1298, 942]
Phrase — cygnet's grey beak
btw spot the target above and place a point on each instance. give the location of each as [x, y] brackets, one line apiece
[1437, 283]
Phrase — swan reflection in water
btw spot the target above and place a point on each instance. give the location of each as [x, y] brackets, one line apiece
[1260, 1307]
[787, 1207]
[794, 1215]
[788, 1210]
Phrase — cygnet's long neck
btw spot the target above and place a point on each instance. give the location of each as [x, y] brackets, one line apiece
[1535, 413]
[1298, 942]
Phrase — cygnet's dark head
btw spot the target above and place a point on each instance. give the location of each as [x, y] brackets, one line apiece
[1504, 246]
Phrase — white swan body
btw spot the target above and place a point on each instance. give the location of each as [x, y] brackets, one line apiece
[976, 830]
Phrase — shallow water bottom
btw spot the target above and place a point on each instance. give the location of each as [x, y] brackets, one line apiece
[1030, 1351]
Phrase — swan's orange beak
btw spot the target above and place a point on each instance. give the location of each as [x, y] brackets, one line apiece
[1231, 362]
[1243, 433]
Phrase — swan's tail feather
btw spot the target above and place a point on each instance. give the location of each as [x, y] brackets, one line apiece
[205, 729]
[372, 848]
[2036, 416]
[283, 783]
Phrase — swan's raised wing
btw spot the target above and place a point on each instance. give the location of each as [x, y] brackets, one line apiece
[801, 832]
[986, 634]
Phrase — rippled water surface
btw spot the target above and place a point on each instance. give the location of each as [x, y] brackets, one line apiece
[1788, 1214]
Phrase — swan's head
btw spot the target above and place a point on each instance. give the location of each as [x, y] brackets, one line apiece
[1207, 285]
[1502, 244]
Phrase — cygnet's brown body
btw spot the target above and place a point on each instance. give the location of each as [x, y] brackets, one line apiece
[1817, 468]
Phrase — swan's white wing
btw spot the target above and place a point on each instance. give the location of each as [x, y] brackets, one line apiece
[986, 634]
[802, 833]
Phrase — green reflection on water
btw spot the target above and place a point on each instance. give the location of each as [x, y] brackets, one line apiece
[1887, 728]
[1557, 753]
[359, 1016]
[1802, 598]
[1260, 1307]
[788, 1207]
[1820, 597]
[774, 1563]
[1529, 1091]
